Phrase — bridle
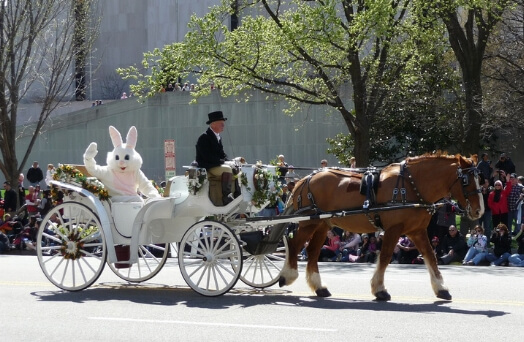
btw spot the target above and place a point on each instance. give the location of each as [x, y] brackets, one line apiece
[464, 175]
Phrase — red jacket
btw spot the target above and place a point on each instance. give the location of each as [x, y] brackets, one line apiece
[30, 200]
[500, 207]
[333, 243]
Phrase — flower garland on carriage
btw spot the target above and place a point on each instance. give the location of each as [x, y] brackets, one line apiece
[70, 174]
[268, 187]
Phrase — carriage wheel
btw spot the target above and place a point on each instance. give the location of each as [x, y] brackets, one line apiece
[151, 259]
[210, 258]
[263, 270]
[71, 246]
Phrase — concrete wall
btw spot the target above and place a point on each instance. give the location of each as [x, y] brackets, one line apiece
[256, 130]
[128, 29]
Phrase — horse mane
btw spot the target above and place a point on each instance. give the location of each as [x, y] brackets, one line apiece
[434, 155]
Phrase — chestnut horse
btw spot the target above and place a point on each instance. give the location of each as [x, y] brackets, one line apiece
[403, 204]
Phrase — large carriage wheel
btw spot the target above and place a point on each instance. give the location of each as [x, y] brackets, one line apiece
[71, 246]
[210, 258]
[151, 259]
[263, 270]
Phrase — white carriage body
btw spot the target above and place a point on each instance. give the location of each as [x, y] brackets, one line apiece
[163, 219]
[78, 237]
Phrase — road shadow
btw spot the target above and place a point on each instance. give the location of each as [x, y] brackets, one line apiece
[155, 294]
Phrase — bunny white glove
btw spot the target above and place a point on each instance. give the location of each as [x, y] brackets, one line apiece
[91, 151]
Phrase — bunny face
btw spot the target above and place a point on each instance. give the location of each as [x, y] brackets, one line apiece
[123, 158]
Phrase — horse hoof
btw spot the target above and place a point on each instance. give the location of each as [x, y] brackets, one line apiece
[383, 296]
[281, 282]
[323, 293]
[444, 294]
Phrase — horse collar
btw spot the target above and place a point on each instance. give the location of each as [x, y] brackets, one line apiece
[405, 171]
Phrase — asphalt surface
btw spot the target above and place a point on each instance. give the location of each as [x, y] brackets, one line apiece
[487, 305]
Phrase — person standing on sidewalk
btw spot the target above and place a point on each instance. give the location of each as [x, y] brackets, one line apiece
[35, 174]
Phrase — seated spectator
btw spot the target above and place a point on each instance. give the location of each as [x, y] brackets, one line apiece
[6, 224]
[518, 258]
[328, 251]
[12, 226]
[477, 244]
[435, 245]
[453, 247]
[405, 251]
[368, 251]
[501, 240]
[344, 236]
[349, 246]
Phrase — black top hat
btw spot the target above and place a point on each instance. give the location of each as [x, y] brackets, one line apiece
[215, 116]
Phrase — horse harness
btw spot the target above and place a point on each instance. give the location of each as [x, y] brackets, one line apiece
[369, 186]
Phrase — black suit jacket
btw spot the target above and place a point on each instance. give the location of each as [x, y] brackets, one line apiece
[209, 151]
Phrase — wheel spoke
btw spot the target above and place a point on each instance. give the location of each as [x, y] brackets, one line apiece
[79, 266]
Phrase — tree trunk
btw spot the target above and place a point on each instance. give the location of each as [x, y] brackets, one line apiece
[474, 115]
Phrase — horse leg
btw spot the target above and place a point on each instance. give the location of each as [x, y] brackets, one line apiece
[377, 281]
[313, 252]
[289, 272]
[421, 241]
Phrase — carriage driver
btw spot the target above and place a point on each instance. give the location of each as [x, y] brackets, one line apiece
[211, 156]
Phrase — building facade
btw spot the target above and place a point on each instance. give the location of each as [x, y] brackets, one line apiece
[257, 130]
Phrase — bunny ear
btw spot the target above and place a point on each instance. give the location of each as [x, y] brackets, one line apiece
[116, 138]
[131, 137]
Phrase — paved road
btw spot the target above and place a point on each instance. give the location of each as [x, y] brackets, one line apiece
[488, 305]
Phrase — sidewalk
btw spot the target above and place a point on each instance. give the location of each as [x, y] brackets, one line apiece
[20, 252]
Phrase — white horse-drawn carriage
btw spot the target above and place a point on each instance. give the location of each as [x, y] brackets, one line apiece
[215, 246]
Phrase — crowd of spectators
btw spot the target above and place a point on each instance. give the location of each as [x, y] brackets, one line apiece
[22, 211]
[453, 248]
[186, 86]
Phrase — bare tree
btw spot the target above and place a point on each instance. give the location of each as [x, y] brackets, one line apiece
[470, 24]
[112, 86]
[504, 71]
[43, 49]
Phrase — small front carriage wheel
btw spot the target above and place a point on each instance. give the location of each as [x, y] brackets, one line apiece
[263, 270]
